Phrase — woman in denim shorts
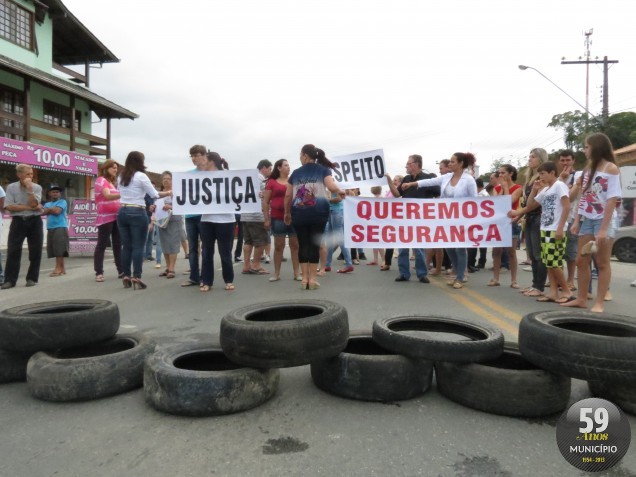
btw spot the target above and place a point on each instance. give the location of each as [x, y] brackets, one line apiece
[595, 221]
[274, 212]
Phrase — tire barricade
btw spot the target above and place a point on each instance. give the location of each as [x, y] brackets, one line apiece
[394, 361]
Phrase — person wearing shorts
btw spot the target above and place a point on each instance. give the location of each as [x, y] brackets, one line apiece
[553, 197]
[255, 236]
[274, 214]
[57, 230]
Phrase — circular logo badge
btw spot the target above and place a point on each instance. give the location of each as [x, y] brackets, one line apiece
[593, 435]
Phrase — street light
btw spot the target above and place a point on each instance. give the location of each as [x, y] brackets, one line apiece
[523, 68]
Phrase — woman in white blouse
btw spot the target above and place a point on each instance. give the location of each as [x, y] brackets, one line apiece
[217, 229]
[132, 220]
[458, 183]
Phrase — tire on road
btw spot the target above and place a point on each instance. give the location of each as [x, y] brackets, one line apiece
[57, 324]
[13, 365]
[581, 344]
[621, 394]
[283, 334]
[508, 385]
[367, 372]
[93, 371]
[197, 379]
[484, 342]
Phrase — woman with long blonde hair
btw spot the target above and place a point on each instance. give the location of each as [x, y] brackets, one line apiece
[533, 226]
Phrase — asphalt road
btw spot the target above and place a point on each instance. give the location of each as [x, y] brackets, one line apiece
[302, 430]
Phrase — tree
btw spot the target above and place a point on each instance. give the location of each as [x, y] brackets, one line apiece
[619, 127]
[575, 125]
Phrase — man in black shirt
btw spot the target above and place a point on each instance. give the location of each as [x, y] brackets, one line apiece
[414, 173]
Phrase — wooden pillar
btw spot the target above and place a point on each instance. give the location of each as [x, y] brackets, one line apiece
[27, 109]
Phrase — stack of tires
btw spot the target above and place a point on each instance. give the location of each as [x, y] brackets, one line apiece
[240, 373]
[478, 370]
[69, 350]
[597, 348]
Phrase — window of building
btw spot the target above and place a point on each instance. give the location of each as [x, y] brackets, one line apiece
[16, 24]
[59, 115]
[11, 101]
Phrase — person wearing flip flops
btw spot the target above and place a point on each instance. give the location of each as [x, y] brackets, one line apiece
[255, 237]
[552, 196]
[56, 229]
[596, 219]
[507, 186]
[569, 176]
[217, 228]
[532, 227]
[274, 214]
[169, 229]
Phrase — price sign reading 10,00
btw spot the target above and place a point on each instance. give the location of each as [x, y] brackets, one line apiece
[85, 229]
[57, 159]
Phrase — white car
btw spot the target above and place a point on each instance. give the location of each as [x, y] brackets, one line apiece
[625, 244]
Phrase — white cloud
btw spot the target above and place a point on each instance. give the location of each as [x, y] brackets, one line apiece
[254, 79]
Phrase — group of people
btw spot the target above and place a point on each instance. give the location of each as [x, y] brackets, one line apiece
[23, 200]
[569, 216]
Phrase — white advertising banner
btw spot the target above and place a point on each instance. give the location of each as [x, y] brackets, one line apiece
[215, 192]
[360, 170]
[628, 181]
[427, 223]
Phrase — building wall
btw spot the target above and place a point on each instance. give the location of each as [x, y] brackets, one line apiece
[42, 55]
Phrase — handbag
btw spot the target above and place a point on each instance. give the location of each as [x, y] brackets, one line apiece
[162, 223]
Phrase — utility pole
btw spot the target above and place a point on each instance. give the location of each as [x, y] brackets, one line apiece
[605, 62]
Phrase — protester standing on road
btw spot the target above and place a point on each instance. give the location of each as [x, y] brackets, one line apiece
[57, 229]
[193, 222]
[507, 186]
[459, 182]
[415, 173]
[568, 175]
[255, 237]
[532, 230]
[107, 202]
[307, 208]
[132, 219]
[552, 194]
[388, 253]
[596, 219]
[22, 201]
[216, 228]
[274, 214]
[169, 231]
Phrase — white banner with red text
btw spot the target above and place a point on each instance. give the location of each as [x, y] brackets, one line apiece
[361, 169]
[216, 192]
[427, 223]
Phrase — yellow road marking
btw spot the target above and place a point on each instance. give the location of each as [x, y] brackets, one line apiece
[502, 310]
[465, 301]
